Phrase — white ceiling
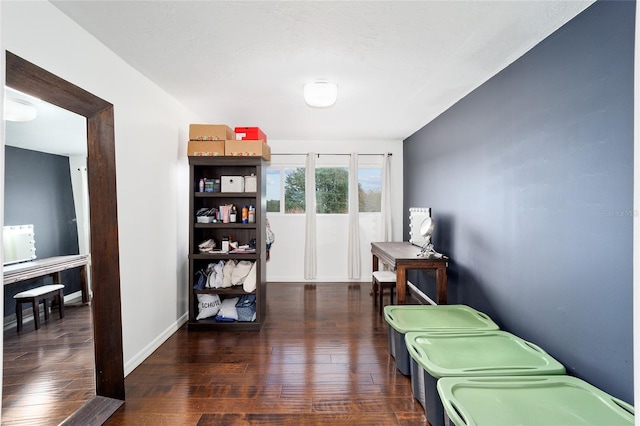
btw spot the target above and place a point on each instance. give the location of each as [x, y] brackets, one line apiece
[54, 131]
[398, 64]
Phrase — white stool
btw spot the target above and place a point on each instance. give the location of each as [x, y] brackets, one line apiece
[35, 296]
[383, 280]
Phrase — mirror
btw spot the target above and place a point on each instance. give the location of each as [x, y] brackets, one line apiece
[18, 243]
[417, 215]
[47, 155]
[426, 230]
[105, 263]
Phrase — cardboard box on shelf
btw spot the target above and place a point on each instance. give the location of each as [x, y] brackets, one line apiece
[247, 149]
[250, 134]
[205, 149]
[210, 132]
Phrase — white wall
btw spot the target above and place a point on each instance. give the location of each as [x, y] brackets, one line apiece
[151, 129]
[2, 79]
[287, 252]
[636, 228]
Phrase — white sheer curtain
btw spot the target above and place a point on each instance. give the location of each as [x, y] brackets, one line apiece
[86, 236]
[385, 208]
[310, 255]
[353, 253]
[85, 248]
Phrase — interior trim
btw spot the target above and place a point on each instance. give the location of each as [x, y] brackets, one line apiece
[105, 262]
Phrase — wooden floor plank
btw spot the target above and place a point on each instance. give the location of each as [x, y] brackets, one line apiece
[94, 413]
[296, 419]
[321, 358]
[48, 373]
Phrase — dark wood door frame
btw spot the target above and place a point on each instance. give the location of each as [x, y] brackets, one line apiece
[28, 78]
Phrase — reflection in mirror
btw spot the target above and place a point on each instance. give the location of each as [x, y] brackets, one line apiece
[48, 373]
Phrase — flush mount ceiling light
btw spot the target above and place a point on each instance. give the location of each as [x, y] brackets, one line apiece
[320, 93]
[19, 110]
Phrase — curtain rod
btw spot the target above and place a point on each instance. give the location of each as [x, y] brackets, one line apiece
[318, 154]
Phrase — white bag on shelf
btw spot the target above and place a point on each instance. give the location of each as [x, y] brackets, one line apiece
[250, 281]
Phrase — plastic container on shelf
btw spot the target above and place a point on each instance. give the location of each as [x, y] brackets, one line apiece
[463, 354]
[405, 318]
[529, 400]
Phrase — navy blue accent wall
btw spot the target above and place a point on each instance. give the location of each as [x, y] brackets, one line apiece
[530, 181]
[38, 191]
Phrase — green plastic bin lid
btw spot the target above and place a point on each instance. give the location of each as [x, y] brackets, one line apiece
[405, 318]
[530, 400]
[479, 353]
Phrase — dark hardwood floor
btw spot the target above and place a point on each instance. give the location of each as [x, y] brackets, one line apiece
[321, 358]
[48, 373]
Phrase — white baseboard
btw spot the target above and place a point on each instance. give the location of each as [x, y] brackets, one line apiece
[362, 279]
[423, 298]
[137, 359]
[75, 297]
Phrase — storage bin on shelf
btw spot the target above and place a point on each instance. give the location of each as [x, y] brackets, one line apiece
[529, 400]
[464, 354]
[402, 319]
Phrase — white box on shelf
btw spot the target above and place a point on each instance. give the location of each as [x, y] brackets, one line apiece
[232, 184]
[250, 183]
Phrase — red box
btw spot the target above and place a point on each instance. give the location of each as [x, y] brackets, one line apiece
[250, 134]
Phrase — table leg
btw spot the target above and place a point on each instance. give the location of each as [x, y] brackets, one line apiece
[35, 307]
[441, 285]
[401, 285]
[374, 265]
[57, 279]
[84, 284]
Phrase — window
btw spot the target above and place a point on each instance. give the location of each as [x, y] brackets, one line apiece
[274, 184]
[332, 189]
[294, 192]
[370, 189]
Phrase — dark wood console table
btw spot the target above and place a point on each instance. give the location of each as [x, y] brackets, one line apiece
[401, 256]
[49, 266]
